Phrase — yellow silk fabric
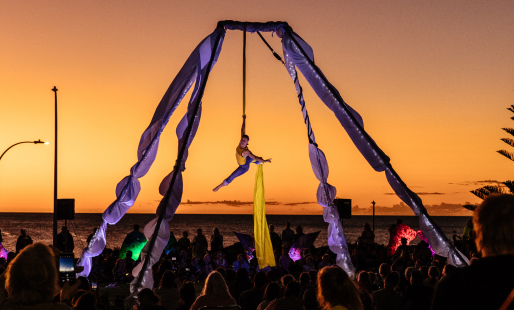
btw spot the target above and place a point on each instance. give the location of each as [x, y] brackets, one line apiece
[263, 248]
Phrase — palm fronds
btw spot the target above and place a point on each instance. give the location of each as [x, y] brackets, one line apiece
[510, 186]
[509, 130]
[487, 190]
[506, 154]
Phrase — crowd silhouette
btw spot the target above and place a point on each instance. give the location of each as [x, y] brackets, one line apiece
[190, 276]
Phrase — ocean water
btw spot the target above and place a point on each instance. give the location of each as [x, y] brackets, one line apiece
[39, 226]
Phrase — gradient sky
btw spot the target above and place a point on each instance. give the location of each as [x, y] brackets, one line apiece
[431, 79]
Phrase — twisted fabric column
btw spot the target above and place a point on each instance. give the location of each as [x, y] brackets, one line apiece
[326, 192]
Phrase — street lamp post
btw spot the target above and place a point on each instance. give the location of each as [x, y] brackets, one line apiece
[373, 202]
[55, 173]
[35, 142]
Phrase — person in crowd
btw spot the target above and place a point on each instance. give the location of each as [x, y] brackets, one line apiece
[367, 237]
[433, 277]
[271, 276]
[337, 291]
[447, 270]
[417, 296]
[402, 262]
[184, 242]
[299, 233]
[287, 238]
[77, 296]
[285, 262]
[65, 241]
[285, 281]
[365, 290]
[208, 265]
[276, 242]
[168, 291]
[314, 277]
[31, 281]
[387, 298]
[214, 294]
[309, 264]
[148, 300]
[310, 299]
[250, 299]
[383, 271]
[488, 282]
[241, 283]
[271, 293]
[135, 237]
[23, 240]
[467, 229]
[222, 271]
[120, 271]
[424, 251]
[406, 278]
[220, 260]
[305, 282]
[291, 299]
[196, 270]
[158, 270]
[187, 296]
[86, 301]
[199, 244]
[129, 262]
[402, 246]
[172, 247]
[363, 282]
[216, 241]
[325, 261]
[230, 279]
[241, 263]
[91, 235]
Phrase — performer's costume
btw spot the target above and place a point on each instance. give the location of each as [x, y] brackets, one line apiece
[244, 165]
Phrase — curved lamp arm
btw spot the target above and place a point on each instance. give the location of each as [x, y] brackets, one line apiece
[35, 142]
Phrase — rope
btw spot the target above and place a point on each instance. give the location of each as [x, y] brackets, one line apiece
[277, 56]
[244, 72]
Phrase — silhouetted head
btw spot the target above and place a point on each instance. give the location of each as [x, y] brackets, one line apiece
[336, 288]
[215, 284]
[494, 225]
[31, 277]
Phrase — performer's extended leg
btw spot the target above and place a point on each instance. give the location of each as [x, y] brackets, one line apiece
[242, 169]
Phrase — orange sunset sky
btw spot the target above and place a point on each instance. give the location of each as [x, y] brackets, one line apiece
[431, 79]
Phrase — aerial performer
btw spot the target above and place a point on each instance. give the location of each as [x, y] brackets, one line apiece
[244, 158]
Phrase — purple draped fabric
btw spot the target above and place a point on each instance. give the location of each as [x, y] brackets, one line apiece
[300, 53]
[128, 188]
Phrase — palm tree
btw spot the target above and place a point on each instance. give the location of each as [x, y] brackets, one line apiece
[502, 187]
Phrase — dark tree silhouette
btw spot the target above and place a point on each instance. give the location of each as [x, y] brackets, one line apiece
[507, 186]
